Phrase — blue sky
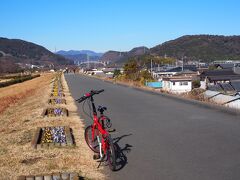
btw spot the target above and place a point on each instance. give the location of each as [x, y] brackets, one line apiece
[103, 25]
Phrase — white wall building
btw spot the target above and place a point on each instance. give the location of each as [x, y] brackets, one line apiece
[177, 84]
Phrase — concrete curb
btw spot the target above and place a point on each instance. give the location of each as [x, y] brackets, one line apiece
[218, 108]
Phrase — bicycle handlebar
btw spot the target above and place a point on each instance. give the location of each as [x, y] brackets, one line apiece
[88, 95]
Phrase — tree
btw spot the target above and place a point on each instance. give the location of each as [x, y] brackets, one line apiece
[196, 84]
[145, 60]
[145, 75]
[131, 70]
[116, 73]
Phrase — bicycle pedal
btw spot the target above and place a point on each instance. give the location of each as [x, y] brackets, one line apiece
[96, 156]
[111, 130]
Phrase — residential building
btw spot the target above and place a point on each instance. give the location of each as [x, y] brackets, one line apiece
[177, 84]
[168, 71]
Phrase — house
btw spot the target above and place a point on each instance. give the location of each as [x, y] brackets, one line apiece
[225, 88]
[171, 71]
[177, 84]
[224, 66]
[193, 74]
[236, 85]
[221, 80]
[213, 77]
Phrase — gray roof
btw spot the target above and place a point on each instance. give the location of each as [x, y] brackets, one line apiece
[225, 66]
[220, 75]
[236, 85]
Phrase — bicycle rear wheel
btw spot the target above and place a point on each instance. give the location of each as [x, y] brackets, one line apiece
[91, 141]
[111, 155]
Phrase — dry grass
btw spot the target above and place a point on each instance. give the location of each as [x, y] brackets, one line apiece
[4, 80]
[18, 124]
[12, 94]
[196, 94]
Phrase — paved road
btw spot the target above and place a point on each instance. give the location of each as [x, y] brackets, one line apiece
[165, 139]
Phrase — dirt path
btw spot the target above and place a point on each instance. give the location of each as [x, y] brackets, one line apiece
[18, 125]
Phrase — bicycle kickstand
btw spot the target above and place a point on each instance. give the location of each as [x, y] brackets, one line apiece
[100, 162]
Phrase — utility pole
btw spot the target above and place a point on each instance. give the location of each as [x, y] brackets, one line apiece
[182, 63]
[88, 61]
[151, 67]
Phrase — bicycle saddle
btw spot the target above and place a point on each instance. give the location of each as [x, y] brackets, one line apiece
[101, 109]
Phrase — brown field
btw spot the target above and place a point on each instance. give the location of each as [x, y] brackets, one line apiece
[21, 108]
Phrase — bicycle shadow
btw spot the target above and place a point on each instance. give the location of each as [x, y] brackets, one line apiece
[121, 158]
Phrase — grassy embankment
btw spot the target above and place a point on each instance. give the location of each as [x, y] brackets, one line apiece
[20, 114]
[10, 80]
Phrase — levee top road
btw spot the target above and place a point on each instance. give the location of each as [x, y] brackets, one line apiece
[161, 138]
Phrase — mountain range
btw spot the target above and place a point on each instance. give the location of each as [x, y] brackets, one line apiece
[201, 47]
[206, 48]
[80, 55]
[14, 51]
[121, 57]
[190, 47]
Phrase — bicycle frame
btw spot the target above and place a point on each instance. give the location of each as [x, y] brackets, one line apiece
[97, 125]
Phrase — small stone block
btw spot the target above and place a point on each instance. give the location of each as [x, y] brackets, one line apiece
[56, 176]
[21, 178]
[67, 113]
[73, 176]
[47, 177]
[65, 176]
[76, 178]
[38, 177]
[68, 136]
[36, 138]
[30, 178]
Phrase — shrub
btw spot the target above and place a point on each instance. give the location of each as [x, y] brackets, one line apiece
[196, 84]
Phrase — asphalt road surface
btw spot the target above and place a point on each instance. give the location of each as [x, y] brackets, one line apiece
[166, 139]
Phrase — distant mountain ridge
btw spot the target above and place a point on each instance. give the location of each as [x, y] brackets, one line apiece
[190, 47]
[20, 51]
[80, 55]
[77, 52]
[120, 57]
[201, 47]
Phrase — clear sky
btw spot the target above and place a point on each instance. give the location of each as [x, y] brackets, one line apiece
[103, 25]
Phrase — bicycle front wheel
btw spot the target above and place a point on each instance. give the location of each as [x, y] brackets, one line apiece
[91, 138]
[111, 155]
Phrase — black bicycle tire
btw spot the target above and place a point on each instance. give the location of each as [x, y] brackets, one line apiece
[111, 149]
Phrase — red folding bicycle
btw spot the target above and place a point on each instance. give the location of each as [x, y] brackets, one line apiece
[96, 135]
